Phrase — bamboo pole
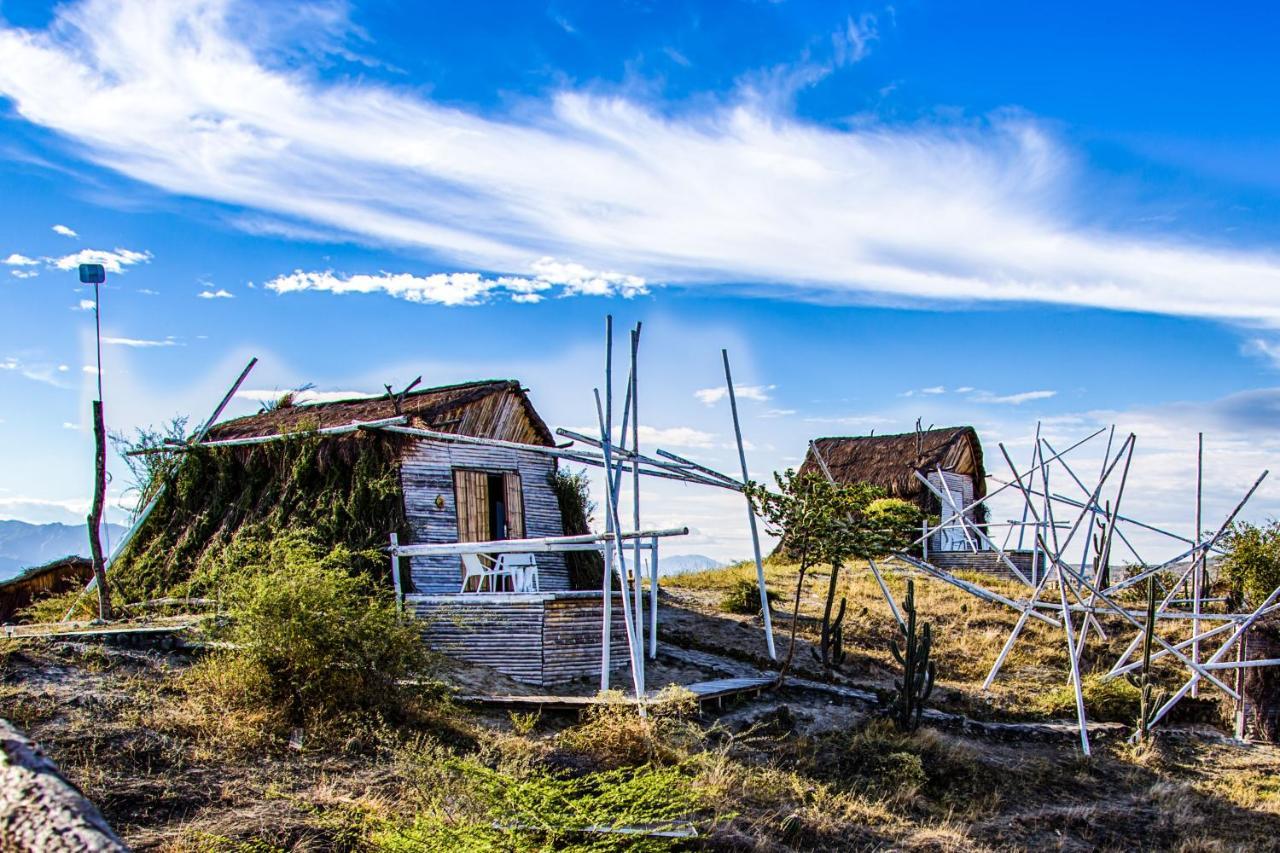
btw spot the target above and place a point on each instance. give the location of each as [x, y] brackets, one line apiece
[615, 552]
[606, 591]
[751, 512]
[142, 517]
[1196, 574]
[637, 574]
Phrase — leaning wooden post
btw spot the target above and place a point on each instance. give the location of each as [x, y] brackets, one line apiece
[751, 512]
[606, 584]
[1196, 561]
[395, 571]
[653, 598]
[638, 575]
[95, 514]
[142, 517]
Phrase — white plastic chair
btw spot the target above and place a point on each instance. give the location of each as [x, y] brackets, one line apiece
[481, 568]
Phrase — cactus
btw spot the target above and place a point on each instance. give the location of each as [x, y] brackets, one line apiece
[1150, 700]
[917, 670]
[1102, 549]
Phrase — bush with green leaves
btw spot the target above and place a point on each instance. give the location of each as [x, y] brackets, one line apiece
[743, 597]
[1251, 566]
[314, 639]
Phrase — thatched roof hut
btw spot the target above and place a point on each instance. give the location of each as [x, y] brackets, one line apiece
[890, 461]
[490, 408]
[53, 578]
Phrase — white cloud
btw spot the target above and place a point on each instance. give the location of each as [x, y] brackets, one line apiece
[16, 260]
[711, 396]
[262, 395]
[651, 437]
[84, 305]
[139, 343]
[176, 97]
[1265, 349]
[23, 273]
[964, 389]
[64, 231]
[936, 389]
[220, 293]
[469, 288]
[1012, 399]
[778, 413]
[113, 261]
[46, 374]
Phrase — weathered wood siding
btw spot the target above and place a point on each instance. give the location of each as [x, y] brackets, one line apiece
[426, 473]
[537, 639]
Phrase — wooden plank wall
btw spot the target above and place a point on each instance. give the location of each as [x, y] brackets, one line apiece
[537, 640]
[426, 471]
[571, 639]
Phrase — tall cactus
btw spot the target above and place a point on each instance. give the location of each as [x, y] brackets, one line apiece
[917, 669]
[1150, 700]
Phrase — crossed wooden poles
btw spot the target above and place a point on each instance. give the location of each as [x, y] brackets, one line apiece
[1084, 591]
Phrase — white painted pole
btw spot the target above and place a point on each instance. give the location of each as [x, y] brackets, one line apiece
[636, 571]
[653, 597]
[395, 571]
[751, 513]
[606, 592]
[1196, 562]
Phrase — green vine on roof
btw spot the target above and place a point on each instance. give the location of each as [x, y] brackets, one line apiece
[337, 491]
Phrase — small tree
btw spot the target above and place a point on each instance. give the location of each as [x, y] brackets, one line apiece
[148, 470]
[821, 522]
[807, 514]
[1252, 564]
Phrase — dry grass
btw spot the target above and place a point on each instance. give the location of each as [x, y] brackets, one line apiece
[178, 761]
[968, 636]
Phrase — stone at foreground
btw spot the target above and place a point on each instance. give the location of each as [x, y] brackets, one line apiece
[39, 809]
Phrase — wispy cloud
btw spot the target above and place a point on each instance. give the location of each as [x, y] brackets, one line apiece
[1012, 399]
[310, 395]
[46, 374]
[711, 396]
[23, 273]
[139, 343]
[64, 231]
[113, 261]
[469, 288]
[220, 293]
[778, 413]
[175, 97]
[16, 260]
[1265, 349]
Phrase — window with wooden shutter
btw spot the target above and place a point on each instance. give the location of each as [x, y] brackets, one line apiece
[515, 505]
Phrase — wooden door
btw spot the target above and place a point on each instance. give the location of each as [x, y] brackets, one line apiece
[514, 504]
[471, 497]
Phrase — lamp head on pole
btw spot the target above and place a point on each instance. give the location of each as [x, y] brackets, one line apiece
[92, 274]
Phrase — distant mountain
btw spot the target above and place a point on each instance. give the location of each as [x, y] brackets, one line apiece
[23, 544]
[679, 564]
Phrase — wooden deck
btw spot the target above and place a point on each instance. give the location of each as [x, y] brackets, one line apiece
[705, 691]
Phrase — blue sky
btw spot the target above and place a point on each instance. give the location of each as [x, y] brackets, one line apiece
[981, 213]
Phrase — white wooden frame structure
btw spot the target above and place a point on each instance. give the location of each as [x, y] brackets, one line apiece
[1080, 591]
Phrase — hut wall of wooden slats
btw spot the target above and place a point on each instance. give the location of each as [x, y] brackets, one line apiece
[427, 476]
[50, 579]
[546, 638]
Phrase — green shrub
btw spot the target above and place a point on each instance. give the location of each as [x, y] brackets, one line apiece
[465, 805]
[1252, 564]
[743, 597]
[586, 568]
[314, 640]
